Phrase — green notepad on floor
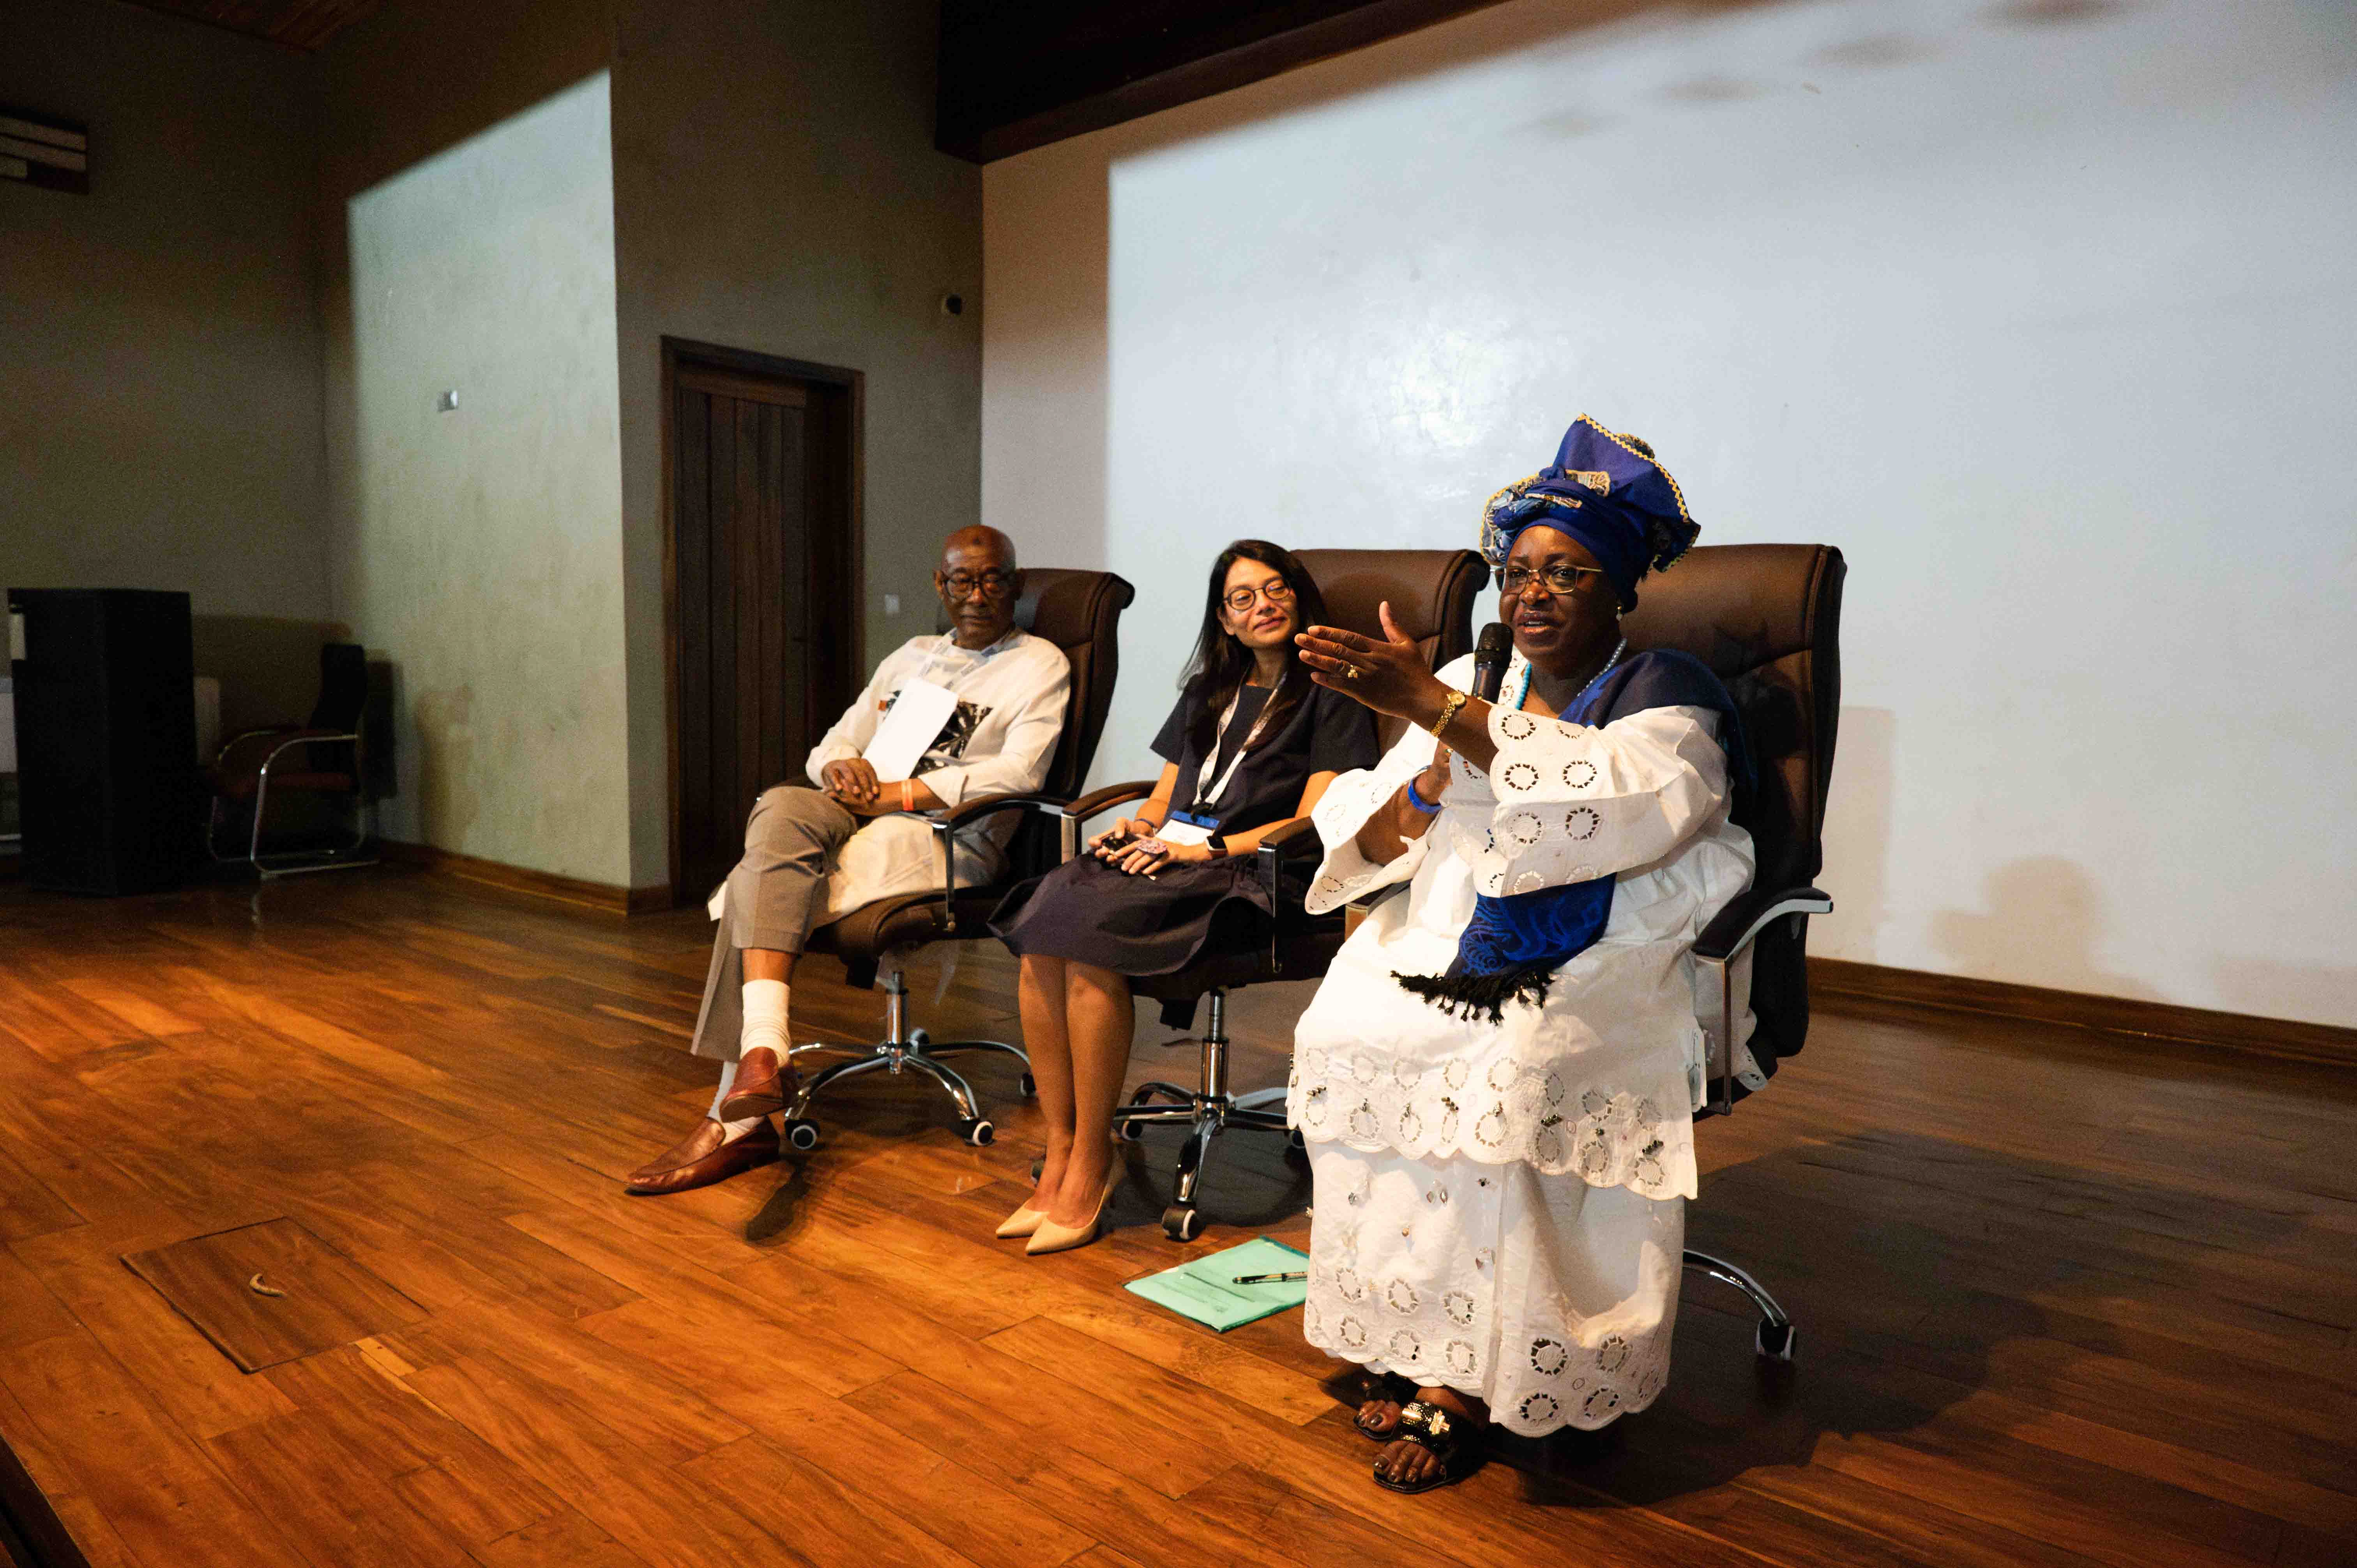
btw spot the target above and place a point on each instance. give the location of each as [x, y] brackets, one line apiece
[1204, 1289]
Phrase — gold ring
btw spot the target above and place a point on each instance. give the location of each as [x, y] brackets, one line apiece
[1351, 672]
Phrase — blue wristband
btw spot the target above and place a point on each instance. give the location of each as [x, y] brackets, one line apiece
[1429, 808]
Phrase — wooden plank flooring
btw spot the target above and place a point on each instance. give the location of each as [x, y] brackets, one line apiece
[2062, 1300]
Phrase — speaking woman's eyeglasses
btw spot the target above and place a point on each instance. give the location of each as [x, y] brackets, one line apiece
[1558, 577]
[1276, 591]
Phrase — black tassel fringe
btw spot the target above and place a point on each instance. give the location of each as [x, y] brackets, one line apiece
[1471, 996]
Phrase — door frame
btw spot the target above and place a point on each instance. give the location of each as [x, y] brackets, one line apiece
[686, 354]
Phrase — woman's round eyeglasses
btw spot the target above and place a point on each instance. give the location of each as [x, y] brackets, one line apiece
[1558, 577]
[1276, 591]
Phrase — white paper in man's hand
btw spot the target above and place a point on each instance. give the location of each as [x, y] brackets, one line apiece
[908, 730]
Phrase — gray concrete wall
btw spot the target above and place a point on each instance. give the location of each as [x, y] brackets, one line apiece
[776, 189]
[159, 336]
[769, 183]
[466, 229]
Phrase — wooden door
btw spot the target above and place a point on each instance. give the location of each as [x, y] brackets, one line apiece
[764, 585]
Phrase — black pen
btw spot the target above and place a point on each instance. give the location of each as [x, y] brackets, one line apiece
[1265, 1279]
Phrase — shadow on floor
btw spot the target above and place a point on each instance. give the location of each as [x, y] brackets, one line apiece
[1921, 1273]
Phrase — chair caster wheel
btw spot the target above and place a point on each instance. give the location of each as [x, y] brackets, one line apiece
[1029, 1085]
[1038, 1163]
[1295, 1142]
[1182, 1222]
[1774, 1341]
[919, 1037]
[802, 1135]
[1130, 1132]
[977, 1133]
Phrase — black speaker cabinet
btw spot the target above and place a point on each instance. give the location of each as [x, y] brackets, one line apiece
[106, 737]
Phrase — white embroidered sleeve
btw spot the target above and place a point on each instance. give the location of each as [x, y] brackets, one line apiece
[1577, 804]
[1346, 873]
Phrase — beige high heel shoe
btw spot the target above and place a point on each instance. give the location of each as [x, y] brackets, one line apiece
[1022, 1222]
[1053, 1237]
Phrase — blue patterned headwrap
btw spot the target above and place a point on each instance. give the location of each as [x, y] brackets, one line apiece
[1605, 490]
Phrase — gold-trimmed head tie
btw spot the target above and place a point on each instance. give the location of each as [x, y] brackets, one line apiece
[1605, 489]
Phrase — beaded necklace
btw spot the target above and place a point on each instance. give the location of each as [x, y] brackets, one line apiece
[1523, 695]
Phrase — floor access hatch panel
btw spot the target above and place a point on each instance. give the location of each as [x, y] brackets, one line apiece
[272, 1291]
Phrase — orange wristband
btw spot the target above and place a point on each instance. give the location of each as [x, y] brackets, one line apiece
[908, 795]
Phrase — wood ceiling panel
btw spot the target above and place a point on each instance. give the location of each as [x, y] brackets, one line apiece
[1017, 74]
[299, 24]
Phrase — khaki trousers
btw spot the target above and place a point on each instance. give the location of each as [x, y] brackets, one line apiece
[791, 842]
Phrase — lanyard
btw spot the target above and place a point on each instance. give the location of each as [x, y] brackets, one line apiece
[1205, 801]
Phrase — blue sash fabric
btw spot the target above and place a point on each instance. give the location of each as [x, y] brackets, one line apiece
[1549, 928]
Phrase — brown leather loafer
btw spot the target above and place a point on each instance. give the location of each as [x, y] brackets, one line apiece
[763, 1085]
[701, 1159]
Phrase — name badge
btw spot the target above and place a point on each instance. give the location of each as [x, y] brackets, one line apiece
[1188, 828]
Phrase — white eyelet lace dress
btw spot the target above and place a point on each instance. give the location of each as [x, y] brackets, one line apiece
[1500, 1207]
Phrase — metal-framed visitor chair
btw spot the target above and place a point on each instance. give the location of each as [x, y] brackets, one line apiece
[323, 758]
[1431, 592]
[1767, 619]
[1080, 612]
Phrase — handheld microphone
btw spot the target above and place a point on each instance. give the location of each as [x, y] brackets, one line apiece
[1490, 656]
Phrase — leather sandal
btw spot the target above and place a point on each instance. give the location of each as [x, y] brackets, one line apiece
[1454, 1440]
[1385, 1387]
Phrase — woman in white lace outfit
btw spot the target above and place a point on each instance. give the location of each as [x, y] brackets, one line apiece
[1497, 1078]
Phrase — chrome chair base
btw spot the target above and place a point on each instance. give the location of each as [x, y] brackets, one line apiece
[270, 867]
[1772, 1341]
[1206, 1111]
[902, 1050]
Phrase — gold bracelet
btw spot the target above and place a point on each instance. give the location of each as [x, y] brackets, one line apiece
[1448, 706]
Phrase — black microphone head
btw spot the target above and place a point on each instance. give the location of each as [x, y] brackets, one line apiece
[1490, 656]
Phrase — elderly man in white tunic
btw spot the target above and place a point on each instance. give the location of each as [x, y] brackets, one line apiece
[1496, 1080]
[811, 855]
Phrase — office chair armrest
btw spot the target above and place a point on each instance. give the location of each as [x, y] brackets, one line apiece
[1732, 929]
[289, 739]
[1104, 800]
[287, 735]
[956, 817]
[1096, 802]
[1294, 843]
[1290, 842]
[945, 824]
[1720, 956]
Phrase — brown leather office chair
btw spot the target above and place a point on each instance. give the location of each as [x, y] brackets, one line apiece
[1431, 593]
[1080, 612]
[1767, 619]
[322, 758]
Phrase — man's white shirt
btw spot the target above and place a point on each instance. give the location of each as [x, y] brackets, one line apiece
[1011, 701]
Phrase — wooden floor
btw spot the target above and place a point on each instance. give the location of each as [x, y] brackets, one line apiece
[2062, 1300]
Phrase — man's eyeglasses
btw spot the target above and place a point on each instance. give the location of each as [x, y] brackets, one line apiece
[962, 584]
[1557, 577]
[1276, 591]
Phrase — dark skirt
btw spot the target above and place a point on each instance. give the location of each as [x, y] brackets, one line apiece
[1087, 911]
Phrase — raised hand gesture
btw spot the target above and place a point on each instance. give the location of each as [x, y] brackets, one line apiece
[1388, 676]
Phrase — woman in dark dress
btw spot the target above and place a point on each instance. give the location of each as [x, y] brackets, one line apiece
[1250, 746]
